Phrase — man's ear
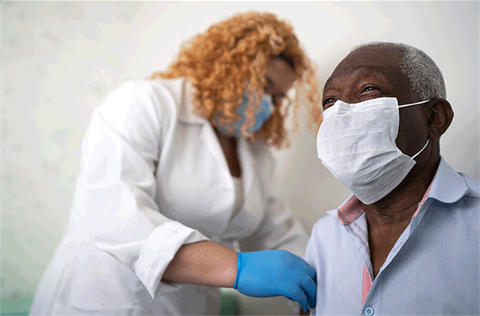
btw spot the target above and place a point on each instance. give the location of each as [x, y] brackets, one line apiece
[440, 115]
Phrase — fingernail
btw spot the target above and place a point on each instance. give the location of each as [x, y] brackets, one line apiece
[305, 309]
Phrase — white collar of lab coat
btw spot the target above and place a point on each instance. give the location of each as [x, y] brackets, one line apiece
[185, 105]
[181, 92]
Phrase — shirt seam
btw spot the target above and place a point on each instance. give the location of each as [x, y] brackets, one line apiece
[159, 251]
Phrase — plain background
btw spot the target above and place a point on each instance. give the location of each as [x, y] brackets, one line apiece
[61, 59]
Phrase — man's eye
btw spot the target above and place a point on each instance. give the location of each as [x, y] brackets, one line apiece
[369, 88]
[328, 102]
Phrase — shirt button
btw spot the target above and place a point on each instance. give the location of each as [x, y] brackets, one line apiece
[369, 311]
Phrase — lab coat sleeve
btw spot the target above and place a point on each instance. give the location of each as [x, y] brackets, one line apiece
[279, 229]
[121, 149]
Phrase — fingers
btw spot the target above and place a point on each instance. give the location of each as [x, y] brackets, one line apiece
[310, 289]
[311, 273]
[300, 298]
[305, 267]
[303, 312]
[308, 281]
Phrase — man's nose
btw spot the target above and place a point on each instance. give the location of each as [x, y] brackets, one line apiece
[349, 96]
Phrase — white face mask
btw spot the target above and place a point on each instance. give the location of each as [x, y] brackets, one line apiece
[356, 142]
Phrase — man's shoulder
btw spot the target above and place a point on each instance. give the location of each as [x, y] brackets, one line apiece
[326, 224]
[328, 236]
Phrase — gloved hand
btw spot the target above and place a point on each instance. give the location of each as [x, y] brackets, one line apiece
[276, 272]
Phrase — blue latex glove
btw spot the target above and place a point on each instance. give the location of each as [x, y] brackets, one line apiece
[276, 272]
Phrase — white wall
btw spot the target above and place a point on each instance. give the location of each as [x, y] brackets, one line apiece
[60, 60]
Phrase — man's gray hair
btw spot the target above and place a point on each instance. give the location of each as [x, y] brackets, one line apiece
[425, 77]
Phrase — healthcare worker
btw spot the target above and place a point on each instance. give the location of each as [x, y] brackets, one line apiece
[176, 171]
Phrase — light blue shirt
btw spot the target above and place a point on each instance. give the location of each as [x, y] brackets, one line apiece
[432, 269]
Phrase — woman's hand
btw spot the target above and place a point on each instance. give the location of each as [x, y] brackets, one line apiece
[274, 273]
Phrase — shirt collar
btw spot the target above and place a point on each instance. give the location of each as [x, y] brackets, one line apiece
[447, 186]
[350, 210]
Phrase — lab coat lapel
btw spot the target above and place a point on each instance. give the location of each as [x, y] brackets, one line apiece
[187, 115]
[218, 203]
[247, 220]
[248, 164]
[186, 109]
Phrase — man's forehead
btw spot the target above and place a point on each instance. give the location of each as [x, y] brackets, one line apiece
[362, 71]
[369, 60]
[373, 54]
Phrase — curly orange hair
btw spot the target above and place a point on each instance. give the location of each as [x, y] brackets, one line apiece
[219, 62]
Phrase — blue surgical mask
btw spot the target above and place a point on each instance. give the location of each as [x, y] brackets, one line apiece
[260, 117]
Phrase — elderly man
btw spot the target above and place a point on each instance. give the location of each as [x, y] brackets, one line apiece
[407, 241]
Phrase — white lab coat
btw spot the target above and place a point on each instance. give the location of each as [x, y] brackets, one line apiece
[153, 177]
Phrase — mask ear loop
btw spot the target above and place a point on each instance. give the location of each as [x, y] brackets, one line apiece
[428, 141]
[416, 103]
